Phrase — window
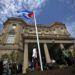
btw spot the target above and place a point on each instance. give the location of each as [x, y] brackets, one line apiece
[10, 39]
[62, 28]
[12, 32]
[30, 30]
[14, 24]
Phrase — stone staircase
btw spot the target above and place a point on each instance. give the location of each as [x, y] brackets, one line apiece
[66, 71]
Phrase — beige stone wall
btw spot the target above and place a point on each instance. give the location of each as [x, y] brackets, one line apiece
[2, 52]
[6, 30]
[18, 31]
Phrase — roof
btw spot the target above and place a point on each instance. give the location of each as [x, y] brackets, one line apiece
[32, 25]
[13, 19]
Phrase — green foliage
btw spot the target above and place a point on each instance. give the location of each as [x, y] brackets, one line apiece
[13, 56]
[16, 57]
[5, 56]
[19, 57]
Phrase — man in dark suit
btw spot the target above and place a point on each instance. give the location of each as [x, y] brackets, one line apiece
[1, 67]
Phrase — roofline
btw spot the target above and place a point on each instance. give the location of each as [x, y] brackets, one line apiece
[14, 18]
[32, 25]
[48, 25]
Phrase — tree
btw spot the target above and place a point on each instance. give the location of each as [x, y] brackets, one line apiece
[16, 56]
[13, 56]
[5, 56]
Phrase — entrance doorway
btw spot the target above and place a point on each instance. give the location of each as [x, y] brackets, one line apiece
[30, 52]
[56, 53]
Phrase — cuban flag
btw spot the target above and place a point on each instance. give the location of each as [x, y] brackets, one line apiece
[25, 13]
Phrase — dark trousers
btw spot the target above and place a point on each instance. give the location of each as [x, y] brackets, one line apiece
[34, 61]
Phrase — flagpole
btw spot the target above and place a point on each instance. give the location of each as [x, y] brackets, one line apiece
[38, 44]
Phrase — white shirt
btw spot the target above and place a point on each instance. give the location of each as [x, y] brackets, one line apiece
[34, 53]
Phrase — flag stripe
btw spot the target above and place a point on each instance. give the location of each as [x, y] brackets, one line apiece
[27, 14]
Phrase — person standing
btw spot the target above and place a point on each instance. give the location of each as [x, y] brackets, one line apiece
[34, 58]
[5, 67]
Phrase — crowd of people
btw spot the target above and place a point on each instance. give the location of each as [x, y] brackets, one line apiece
[7, 68]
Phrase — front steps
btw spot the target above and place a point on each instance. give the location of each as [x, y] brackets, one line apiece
[65, 71]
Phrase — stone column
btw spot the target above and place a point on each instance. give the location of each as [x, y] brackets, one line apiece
[62, 46]
[25, 61]
[63, 50]
[71, 49]
[48, 59]
[64, 53]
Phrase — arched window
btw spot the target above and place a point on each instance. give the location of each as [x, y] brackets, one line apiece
[11, 37]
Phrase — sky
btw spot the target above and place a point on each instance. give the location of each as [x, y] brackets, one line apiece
[47, 12]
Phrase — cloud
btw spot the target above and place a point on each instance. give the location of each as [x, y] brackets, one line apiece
[71, 28]
[9, 8]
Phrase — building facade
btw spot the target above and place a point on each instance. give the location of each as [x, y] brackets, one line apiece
[19, 38]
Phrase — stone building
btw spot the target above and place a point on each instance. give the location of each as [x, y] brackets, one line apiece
[19, 38]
